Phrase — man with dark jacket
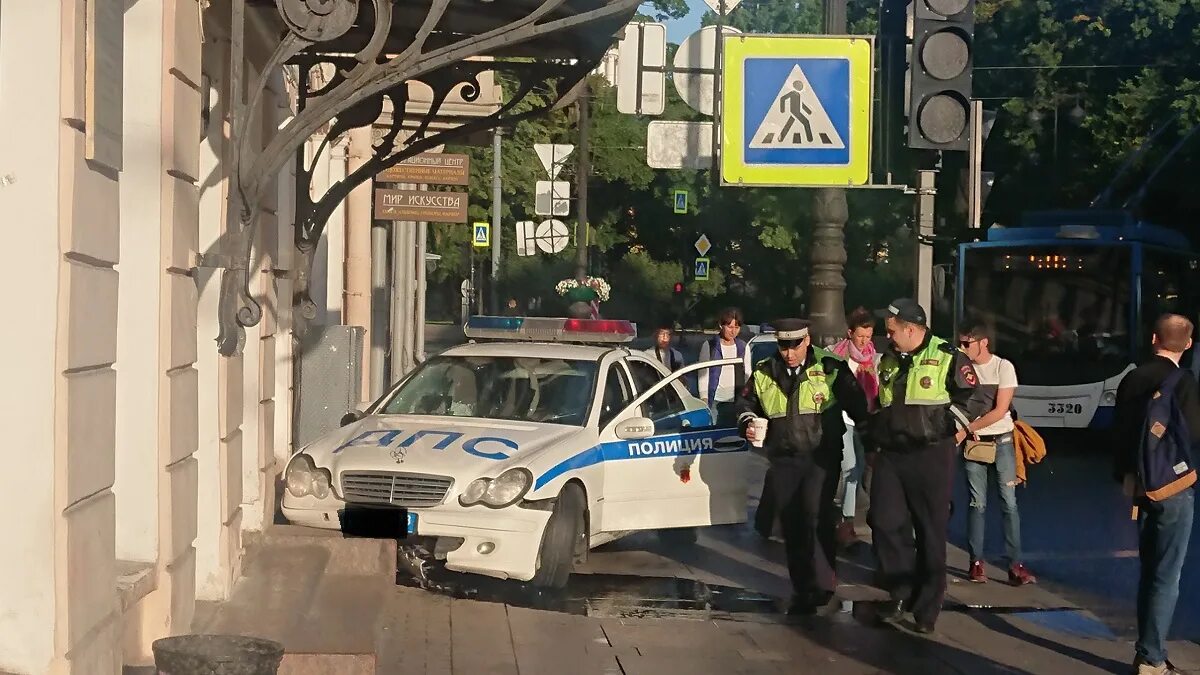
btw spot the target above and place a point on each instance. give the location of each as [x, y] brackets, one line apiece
[1164, 526]
[924, 386]
[801, 392]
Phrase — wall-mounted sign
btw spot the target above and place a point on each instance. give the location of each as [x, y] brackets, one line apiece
[432, 168]
[421, 206]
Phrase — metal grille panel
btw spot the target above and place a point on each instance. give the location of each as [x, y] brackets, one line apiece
[329, 381]
[413, 490]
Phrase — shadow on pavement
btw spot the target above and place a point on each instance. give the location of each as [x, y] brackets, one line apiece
[893, 650]
[997, 624]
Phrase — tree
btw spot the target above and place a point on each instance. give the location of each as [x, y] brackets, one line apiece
[1113, 71]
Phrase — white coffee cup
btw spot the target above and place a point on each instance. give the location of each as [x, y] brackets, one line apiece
[759, 424]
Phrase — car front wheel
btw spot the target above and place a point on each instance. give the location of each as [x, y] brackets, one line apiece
[563, 535]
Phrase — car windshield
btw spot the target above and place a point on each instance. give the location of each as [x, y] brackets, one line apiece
[524, 389]
[1060, 313]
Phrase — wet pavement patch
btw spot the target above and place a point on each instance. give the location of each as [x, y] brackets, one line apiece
[600, 595]
[1065, 620]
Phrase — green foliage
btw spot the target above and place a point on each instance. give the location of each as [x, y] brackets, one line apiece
[1141, 67]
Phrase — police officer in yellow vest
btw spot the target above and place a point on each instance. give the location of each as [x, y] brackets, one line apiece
[924, 385]
[801, 391]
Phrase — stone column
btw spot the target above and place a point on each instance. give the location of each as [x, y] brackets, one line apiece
[827, 302]
[358, 252]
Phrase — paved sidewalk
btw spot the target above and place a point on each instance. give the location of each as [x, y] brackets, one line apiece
[335, 605]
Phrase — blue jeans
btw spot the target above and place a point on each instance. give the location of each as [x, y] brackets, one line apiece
[854, 464]
[1005, 471]
[1164, 530]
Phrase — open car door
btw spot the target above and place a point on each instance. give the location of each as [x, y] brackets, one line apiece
[663, 474]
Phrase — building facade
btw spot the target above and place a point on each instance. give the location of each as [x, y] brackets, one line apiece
[142, 457]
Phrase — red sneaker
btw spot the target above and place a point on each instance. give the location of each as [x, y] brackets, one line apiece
[1018, 575]
[978, 575]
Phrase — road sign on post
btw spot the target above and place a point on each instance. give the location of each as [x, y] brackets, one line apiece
[552, 198]
[641, 74]
[552, 236]
[796, 110]
[681, 201]
[703, 245]
[482, 235]
[702, 268]
[525, 235]
[679, 145]
[698, 53]
[553, 156]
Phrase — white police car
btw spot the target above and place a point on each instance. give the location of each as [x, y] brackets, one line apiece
[517, 456]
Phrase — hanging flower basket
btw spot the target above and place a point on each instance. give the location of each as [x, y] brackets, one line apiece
[592, 289]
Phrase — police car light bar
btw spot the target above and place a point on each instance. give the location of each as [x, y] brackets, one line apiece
[549, 330]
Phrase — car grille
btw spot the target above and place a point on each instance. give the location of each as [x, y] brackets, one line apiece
[395, 488]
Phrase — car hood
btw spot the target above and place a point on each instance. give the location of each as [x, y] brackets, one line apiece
[463, 448]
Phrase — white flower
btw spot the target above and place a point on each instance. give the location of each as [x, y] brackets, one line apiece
[599, 285]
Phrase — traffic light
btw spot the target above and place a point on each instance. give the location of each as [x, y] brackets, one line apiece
[678, 288]
[939, 74]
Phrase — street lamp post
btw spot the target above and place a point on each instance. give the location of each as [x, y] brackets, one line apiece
[828, 286]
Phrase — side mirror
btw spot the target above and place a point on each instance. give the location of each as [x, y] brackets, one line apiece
[351, 417]
[635, 428]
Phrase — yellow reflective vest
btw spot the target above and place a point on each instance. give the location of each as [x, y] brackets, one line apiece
[813, 396]
[926, 377]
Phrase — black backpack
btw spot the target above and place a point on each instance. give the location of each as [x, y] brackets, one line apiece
[1164, 459]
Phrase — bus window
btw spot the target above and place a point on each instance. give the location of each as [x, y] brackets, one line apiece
[1168, 285]
[1060, 313]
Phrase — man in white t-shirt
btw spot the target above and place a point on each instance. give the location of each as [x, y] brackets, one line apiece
[990, 410]
[719, 386]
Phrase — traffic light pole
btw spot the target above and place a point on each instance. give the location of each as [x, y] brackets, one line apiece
[827, 309]
[975, 167]
[926, 192]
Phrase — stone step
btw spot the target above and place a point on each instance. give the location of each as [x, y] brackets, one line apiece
[338, 631]
[317, 593]
[347, 555]
[278, 586]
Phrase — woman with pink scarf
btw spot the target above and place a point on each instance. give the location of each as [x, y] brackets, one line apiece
[860, 354]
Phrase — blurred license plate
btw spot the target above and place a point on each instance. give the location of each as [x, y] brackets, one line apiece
[410, 525]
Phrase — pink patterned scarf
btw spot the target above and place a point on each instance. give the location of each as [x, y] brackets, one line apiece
[868, 379]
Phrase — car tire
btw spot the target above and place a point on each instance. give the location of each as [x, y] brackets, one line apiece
[566, 526]
[678, 536]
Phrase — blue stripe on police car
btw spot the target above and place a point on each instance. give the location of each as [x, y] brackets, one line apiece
[690, 443]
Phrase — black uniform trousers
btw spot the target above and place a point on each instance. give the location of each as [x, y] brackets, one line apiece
[910, 490]
[803, 488]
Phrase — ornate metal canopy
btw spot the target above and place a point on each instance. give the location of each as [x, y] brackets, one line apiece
[376, 48]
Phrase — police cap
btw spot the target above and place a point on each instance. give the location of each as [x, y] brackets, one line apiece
[790, 330]
[904, 309]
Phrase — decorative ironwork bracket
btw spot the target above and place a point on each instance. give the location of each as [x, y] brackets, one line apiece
[354, 98]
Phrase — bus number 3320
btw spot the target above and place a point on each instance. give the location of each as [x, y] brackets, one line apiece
[1066, 408]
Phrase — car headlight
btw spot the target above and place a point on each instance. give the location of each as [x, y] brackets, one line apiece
[499, 492]
[304, 478]
[474, 492]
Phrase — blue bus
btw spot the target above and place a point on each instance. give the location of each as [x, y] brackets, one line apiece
[1070, 298]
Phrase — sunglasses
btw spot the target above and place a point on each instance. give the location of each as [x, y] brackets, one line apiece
[966, 343]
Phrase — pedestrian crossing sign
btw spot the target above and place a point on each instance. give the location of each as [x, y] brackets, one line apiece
[796, 110]
[702, 269]
[681, 201]
[482, 237]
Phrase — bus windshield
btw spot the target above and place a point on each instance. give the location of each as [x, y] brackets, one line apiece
[1060, 313]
